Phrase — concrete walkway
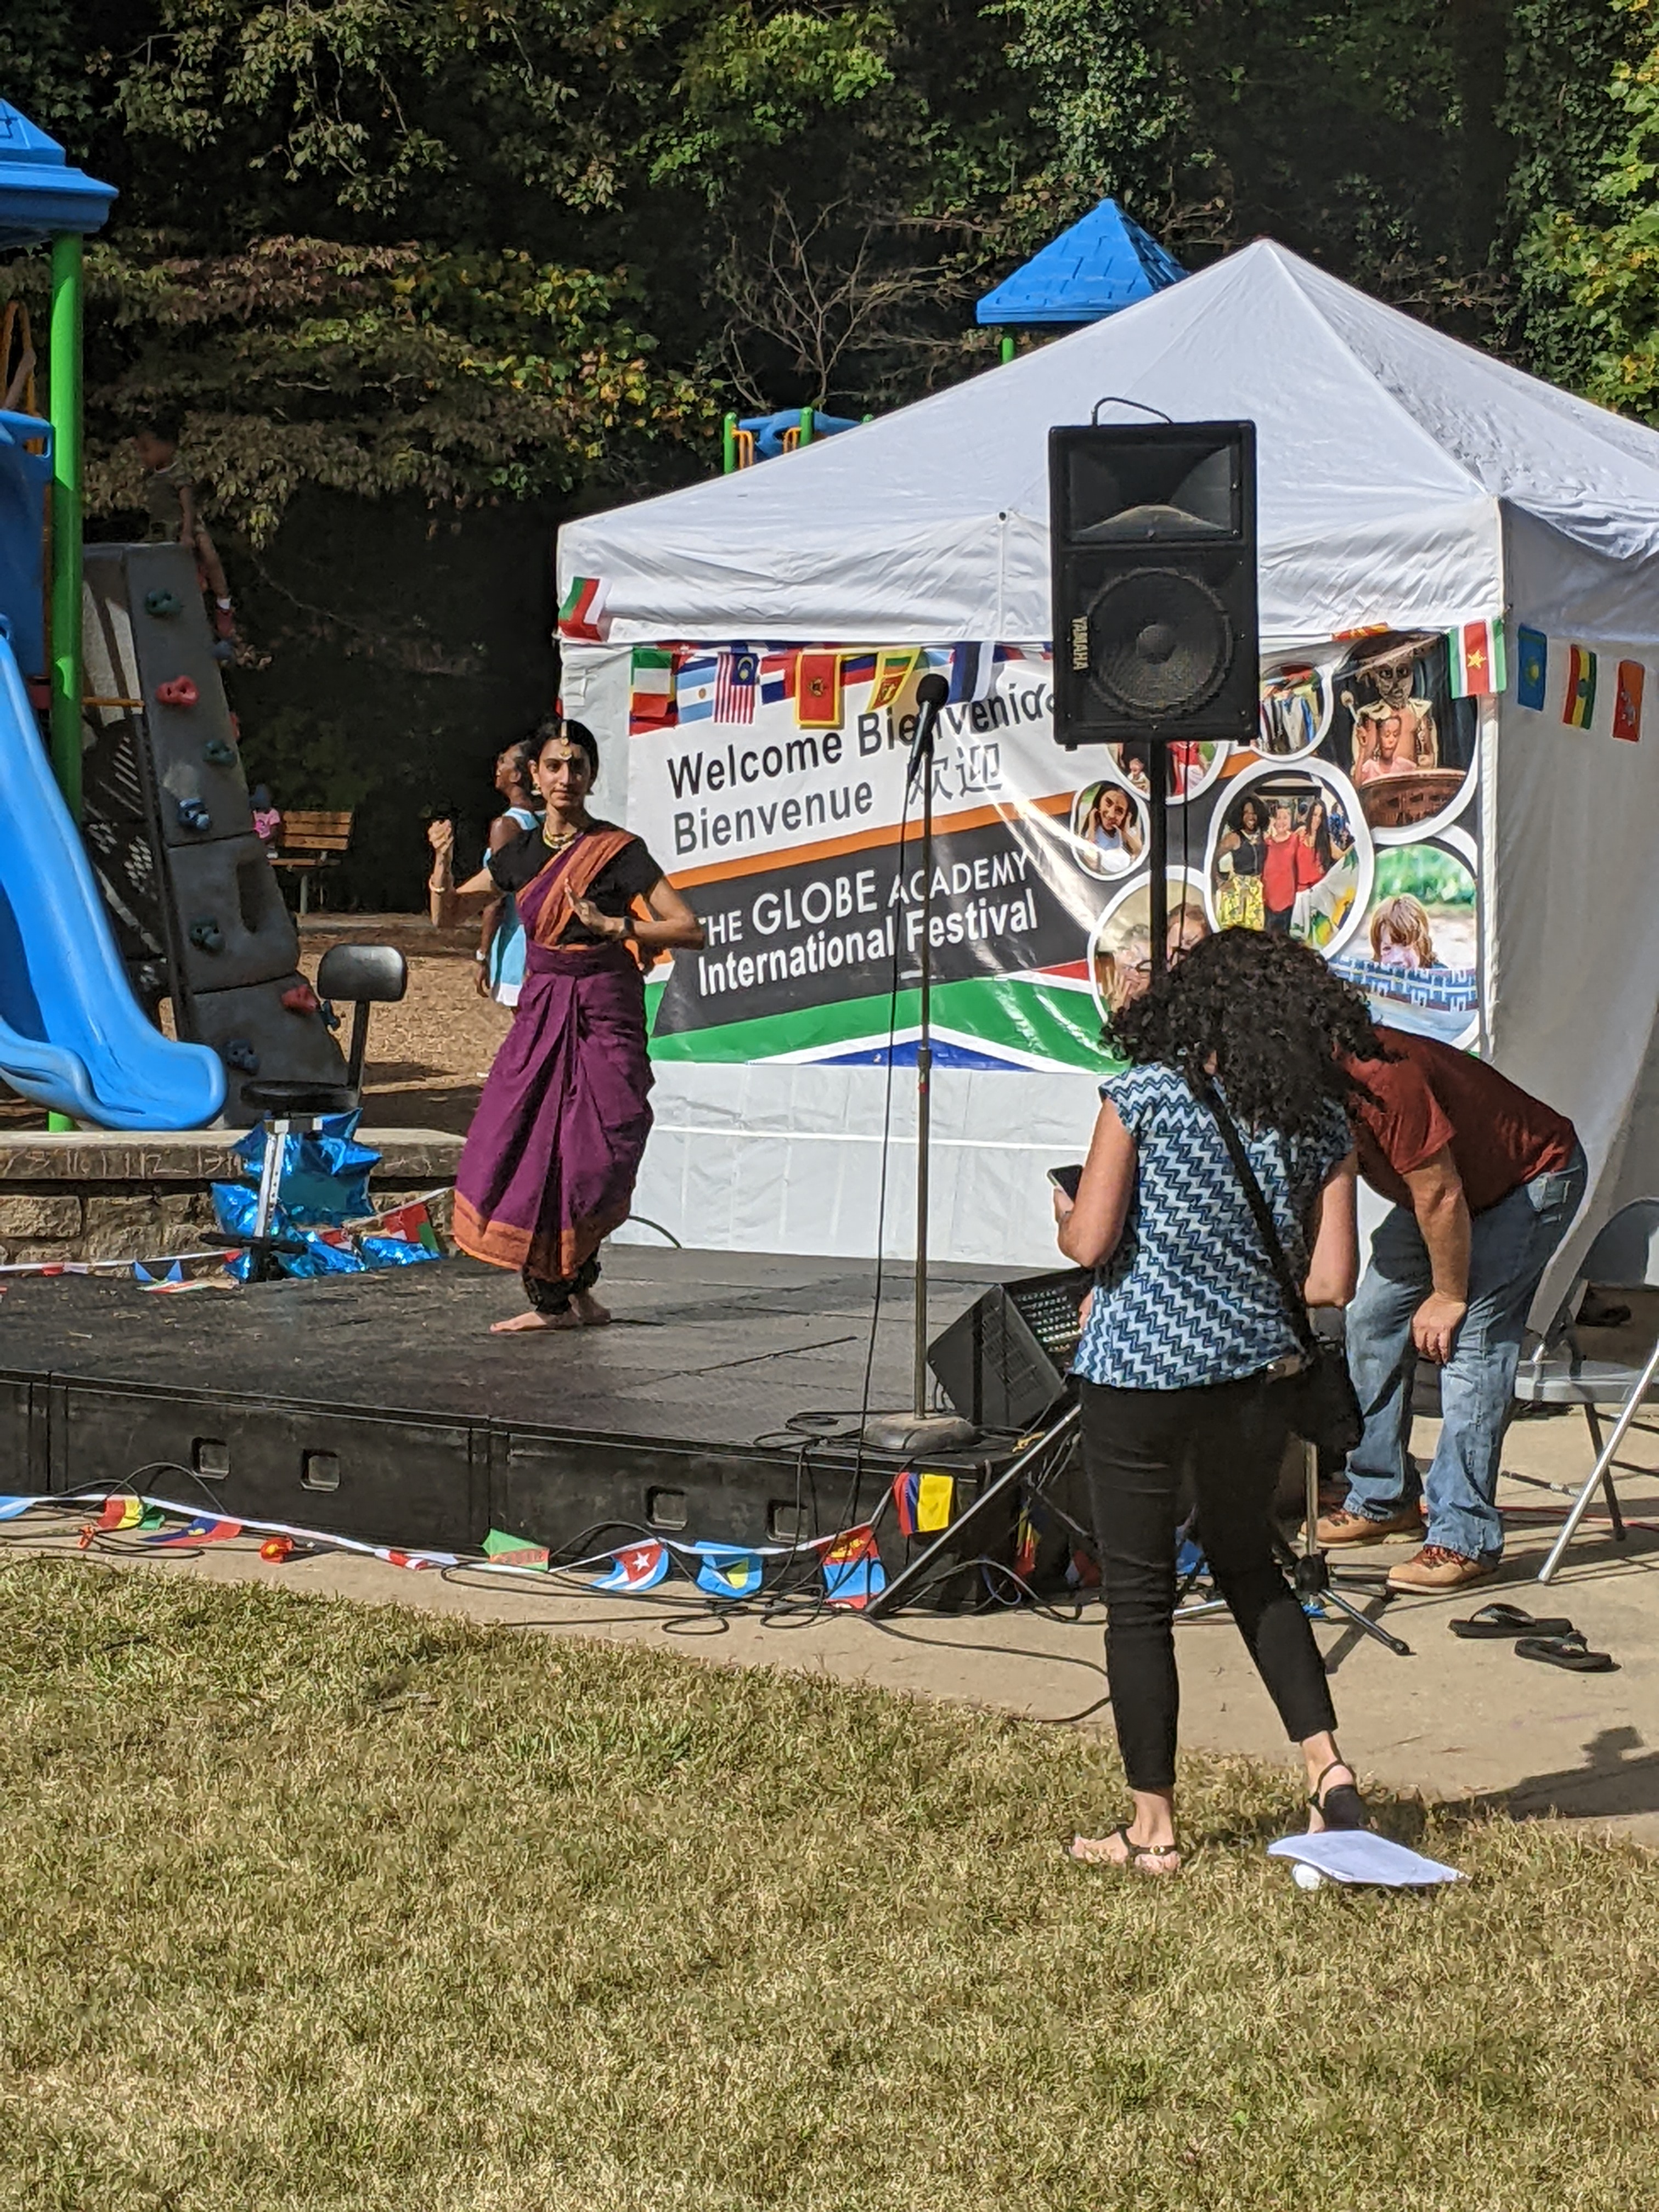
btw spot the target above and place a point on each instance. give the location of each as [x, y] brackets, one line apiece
[1455, 1720]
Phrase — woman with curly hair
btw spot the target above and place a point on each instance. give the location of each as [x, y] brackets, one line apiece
[1188, 1344]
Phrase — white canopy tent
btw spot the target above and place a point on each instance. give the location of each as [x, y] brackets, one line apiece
[1403, 480]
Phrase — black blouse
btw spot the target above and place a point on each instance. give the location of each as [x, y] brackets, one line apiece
[613, 890]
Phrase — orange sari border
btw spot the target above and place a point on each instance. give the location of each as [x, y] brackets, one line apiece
[552, 1259]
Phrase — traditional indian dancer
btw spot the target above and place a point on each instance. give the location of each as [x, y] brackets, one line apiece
[548, 1169]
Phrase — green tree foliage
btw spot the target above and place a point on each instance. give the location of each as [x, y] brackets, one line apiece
[1589, 262]
[426, 275]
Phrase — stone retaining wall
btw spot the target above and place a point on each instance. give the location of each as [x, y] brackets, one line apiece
[85, 1195]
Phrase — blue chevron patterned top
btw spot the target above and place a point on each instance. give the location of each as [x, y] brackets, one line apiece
[1190, 1296]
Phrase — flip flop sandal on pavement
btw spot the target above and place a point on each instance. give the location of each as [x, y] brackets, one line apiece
[1497, 1623]
[1568, 1651]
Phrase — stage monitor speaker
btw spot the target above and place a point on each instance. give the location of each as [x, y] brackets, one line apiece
[1152, 548]
[1002, 1364]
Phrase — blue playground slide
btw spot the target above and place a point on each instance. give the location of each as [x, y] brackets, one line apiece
[72, 1036]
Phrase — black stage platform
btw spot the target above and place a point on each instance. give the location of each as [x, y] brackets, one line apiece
[380, 1407]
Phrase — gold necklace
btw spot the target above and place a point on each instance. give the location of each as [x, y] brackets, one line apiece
[557, 844]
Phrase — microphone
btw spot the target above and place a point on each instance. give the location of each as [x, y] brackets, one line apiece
[932, 693]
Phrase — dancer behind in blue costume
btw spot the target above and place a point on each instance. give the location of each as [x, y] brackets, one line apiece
[1187, 1348]
[501, 935]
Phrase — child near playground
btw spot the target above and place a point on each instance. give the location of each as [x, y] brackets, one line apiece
[174, 518]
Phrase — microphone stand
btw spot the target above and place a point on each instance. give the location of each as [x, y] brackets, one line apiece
[919, 1429]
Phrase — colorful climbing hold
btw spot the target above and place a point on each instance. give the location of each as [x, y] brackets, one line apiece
[177, 691]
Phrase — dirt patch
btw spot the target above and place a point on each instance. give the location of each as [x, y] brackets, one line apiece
[428, 1057]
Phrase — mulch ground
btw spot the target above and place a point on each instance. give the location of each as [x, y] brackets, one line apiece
[428, 1057]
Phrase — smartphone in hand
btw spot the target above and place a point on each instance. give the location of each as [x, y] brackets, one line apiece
[1066, 1180]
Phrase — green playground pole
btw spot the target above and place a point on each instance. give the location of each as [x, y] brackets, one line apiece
[64, 407]
[805, 438]
[729, 444]
[1008, 345]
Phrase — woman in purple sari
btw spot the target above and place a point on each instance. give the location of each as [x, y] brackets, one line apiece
[548, 1169]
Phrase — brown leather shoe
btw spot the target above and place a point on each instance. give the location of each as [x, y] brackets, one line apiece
[1435, 1568]
[1345, 1528]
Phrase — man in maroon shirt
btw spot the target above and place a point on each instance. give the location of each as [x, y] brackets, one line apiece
[1485, 1182]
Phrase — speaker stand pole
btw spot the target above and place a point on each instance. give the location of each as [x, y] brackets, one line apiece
[1158, 809]
[924, 1091]
[919, 1430]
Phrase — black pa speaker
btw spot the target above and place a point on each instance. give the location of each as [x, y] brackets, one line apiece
[1153, 545]
[1002, 1364]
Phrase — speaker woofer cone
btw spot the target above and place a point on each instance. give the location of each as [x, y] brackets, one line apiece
[1160, 643]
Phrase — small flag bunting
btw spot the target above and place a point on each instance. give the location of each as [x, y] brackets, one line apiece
[1025, 1545]
[651, 690]
[905, 1486]
[735, 687]
[817, 691]
[1532, 653]
[1578, 701]
[777, 678]
[852, 1572]
[581, 610]
[728, 1570]
[205, 1528]
[641, 1567]
[514, 1551]
[11, 1507]
[1627, 703]
[1475, 659]
[893, 671]
[973, 670]
[123, 1510]
[694, 687]
[413, 1222]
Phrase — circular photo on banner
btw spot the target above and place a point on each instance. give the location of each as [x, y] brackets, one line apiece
[1289, 853]
[1109, 827]
[1298, 697]
[1416, 952]
[1190, 764]
[1121, 942]
[1405, 744]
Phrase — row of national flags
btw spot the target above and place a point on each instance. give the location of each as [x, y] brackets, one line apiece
[674, 687]
[1573, 682]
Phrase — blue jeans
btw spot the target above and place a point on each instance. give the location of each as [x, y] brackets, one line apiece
[1511, 1245]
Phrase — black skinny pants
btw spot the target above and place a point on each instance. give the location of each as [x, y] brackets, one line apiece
[1230, 1437]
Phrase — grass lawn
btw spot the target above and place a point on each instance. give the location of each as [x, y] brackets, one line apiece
[308, 1905]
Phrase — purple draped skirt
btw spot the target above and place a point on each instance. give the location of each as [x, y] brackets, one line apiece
[548, 1165]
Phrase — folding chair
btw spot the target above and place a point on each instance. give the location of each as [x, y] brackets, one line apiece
[1624, 1257]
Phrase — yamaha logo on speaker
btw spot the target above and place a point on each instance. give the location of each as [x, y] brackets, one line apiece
[1152, 541]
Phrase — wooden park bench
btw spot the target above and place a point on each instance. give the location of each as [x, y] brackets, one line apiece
[308, 843]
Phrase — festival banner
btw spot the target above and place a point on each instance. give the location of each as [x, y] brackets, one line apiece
[798, 840]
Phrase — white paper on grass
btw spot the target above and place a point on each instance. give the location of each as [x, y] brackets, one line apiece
[1356, 1855]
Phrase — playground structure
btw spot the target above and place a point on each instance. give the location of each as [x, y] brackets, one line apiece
[1104, 264]
[129, 872]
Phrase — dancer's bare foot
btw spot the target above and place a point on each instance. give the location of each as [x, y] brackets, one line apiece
[521, 1324]
[588, 1310]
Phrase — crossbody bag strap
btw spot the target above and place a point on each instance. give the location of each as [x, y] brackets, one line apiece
[1296, 1305]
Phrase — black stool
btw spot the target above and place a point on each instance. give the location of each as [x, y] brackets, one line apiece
[364, 975]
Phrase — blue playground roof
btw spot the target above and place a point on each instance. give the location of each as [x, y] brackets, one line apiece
[39, 194]
[1100, 264]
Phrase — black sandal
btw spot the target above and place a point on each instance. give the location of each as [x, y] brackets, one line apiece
[1135, 1854]
[1341, 1806]
[1571, 1652]
[1497, 1623]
